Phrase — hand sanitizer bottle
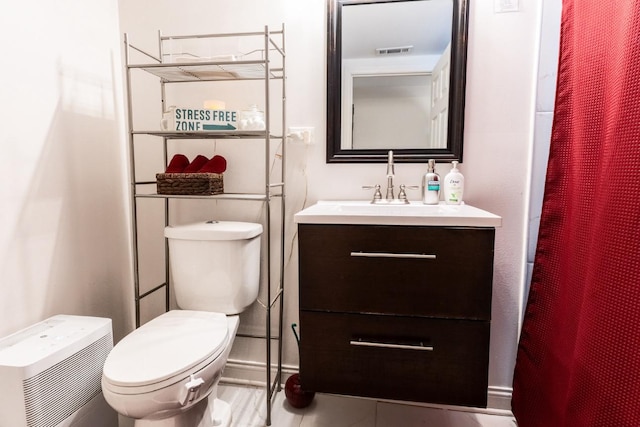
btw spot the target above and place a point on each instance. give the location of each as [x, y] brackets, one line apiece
[453, 186]
[431, 185]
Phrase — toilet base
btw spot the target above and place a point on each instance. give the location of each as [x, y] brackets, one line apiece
[210, 412]
[222, 414]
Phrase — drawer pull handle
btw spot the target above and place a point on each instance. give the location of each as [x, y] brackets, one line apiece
[391, 255]
[395, 346]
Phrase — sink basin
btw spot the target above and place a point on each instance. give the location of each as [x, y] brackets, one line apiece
[414, 213]
[367, 208]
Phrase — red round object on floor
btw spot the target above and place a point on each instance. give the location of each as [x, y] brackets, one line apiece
[297, 397]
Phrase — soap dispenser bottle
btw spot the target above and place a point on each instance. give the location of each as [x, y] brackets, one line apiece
[453, 186]
[431, 185]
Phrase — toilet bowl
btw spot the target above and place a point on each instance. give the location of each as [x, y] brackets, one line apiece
[162, 370]
[165, 373]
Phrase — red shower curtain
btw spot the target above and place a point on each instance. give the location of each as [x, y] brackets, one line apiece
[578, 362]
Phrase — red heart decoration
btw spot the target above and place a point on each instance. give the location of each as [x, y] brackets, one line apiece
[217, 164]
[196, 164]
[177, 164]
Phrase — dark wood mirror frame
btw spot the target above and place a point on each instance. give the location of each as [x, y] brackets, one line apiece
[453, 151]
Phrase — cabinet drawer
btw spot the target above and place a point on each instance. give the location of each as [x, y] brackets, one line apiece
[401, 358]
[418, 271]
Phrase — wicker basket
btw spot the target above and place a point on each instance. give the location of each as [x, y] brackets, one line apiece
[190, 183]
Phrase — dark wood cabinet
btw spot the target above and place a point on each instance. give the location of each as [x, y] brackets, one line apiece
[396, 312]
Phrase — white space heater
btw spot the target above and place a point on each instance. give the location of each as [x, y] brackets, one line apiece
[50, 374]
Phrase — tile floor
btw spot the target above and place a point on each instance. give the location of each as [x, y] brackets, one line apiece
[249, 410]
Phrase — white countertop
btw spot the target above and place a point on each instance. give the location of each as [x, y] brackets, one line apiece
[414, 213]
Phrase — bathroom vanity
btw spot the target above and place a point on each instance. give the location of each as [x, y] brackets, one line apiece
[395, 301]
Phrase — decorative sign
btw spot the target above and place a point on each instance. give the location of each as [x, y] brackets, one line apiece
[197, 120]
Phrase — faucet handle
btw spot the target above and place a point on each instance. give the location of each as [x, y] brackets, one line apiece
[403, 194]
[377, 195]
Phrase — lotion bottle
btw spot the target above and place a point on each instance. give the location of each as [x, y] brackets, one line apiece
[431, 185]
[453, 186]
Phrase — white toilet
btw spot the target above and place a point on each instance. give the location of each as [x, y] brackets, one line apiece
[164, 374]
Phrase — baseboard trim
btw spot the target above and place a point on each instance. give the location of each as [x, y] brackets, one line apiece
[249, 373]
[499, 398]
[244, 372]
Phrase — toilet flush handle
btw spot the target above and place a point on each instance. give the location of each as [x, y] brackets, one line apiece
[191, 390]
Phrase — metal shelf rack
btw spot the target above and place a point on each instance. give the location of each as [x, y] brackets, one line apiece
[264, 64]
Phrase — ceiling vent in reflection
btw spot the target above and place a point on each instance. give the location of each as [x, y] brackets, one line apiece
[393, 50]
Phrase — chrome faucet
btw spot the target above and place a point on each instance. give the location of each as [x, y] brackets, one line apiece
[390, 174]
[390, 198]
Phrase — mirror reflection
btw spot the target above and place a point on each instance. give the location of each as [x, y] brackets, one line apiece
[395, 79]
[390, 78]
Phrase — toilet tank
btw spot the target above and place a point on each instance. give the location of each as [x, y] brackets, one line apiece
[215, 265]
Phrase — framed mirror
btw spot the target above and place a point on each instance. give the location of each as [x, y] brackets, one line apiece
[396, 73]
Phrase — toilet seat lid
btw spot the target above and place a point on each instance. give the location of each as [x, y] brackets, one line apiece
[166, 347]
[214, 230]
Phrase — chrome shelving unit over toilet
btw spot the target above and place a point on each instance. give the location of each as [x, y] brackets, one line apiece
[268, 66]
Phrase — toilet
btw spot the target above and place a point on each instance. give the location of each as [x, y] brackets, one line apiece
[165, 373]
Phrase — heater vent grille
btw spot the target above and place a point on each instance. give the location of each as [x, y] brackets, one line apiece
[59, 391]
[393, 50]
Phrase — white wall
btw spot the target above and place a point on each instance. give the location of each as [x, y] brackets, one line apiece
[63, 223]
[503, 52]
[545, 104]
